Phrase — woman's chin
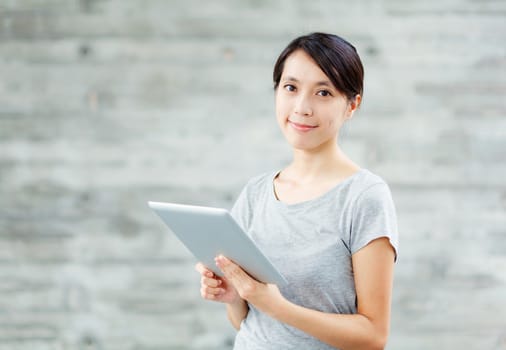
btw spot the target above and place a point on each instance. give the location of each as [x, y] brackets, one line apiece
[308, 145]
[300, 145]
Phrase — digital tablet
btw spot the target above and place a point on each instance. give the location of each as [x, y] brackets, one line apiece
[208, 232]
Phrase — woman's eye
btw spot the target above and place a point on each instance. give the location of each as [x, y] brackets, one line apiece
[289, 87]
[324, 93]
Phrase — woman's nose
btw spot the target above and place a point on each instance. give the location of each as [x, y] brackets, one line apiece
[303, 106]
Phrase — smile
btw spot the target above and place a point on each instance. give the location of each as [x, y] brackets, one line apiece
[301, 127]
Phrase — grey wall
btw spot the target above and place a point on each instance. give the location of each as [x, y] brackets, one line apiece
[105, 104]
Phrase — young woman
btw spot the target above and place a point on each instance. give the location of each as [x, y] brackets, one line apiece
[327, 224]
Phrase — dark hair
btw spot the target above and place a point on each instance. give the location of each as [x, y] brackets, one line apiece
[336, 57]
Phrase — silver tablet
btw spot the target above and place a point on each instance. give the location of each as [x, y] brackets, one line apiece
[208, 232]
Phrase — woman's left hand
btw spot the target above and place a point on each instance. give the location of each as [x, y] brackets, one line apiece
[265, 297]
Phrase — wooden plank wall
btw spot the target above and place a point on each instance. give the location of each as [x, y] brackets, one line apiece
[105, 104]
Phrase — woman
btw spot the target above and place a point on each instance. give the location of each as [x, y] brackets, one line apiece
[327, 224]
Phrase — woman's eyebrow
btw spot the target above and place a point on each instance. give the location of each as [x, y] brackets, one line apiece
[318, 83]
[325, 83]
[289, 78]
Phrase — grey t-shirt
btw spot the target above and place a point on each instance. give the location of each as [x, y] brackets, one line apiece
[311, 243]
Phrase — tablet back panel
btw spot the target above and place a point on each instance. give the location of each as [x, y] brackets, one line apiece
[208, 232]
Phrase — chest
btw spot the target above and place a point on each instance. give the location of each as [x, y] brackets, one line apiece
[308, 247]
[290, 193]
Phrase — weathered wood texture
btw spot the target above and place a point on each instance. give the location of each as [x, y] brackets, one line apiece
[107, 104]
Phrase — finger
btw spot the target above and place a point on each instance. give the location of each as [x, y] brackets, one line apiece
[203, 270]
[211, 293]
[211, 282]
[205, 295]
[235, 274]
[199, 267]
[228, 267]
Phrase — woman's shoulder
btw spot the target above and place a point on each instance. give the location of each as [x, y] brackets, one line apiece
[370, 178]
[260, 180]
[255, 190]
[366, 180]
[256, 186]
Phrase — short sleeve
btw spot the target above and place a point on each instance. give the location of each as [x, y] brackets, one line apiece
[373, 217]
[240, 210]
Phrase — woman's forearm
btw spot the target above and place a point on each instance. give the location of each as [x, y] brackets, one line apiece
[344, 331]
[237, 312]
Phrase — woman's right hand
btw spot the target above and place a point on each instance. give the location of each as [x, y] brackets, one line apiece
[216, 288]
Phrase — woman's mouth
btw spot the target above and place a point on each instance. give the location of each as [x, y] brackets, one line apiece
[301, 127]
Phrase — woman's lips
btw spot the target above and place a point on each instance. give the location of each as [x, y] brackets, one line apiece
[301, 127]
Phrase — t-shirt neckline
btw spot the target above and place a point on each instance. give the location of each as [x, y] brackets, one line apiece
[273, 197]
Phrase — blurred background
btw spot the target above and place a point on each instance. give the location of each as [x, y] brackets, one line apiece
[106, 104]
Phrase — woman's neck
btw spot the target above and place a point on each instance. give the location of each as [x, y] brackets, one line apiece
[330, 162]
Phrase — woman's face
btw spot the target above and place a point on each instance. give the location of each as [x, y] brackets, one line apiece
[309, 109]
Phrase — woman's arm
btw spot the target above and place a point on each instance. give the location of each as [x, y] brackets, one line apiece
[368, 329]
[218, 288]
[237, 312]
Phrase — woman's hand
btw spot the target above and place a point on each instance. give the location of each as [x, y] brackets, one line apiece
[265, 297]
[216, 288]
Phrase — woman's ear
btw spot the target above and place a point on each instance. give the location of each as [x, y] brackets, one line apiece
[353, 106]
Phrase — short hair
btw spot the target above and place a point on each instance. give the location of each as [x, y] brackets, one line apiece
[335, 56]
